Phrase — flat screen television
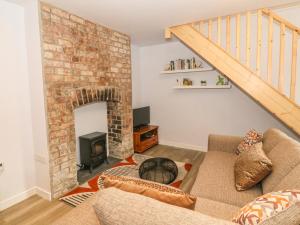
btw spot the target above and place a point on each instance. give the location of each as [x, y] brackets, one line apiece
[141, 116]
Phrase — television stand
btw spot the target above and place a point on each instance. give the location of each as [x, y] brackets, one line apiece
[145, 138]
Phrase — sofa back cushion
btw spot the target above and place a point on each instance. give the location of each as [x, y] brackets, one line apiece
[285, 157]
[271, 138]
[292, 179]
[115, 206]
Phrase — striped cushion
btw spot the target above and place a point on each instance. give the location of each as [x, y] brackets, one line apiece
[271, 208]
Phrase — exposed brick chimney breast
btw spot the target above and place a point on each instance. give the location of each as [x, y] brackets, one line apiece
[83, 63]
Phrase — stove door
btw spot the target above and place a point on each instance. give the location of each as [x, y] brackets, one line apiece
[98, 148]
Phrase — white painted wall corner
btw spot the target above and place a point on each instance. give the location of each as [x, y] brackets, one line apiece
[24, 195]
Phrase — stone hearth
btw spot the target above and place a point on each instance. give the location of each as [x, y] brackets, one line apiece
[83, 63]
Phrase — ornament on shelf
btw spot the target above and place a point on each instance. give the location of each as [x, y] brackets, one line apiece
[187, 82]
[167, 67]
[222, 80]
[203, 82]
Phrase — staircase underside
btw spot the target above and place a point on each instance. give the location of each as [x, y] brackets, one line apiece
[275, 102]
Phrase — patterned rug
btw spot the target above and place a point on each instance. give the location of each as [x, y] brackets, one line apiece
[127, 167]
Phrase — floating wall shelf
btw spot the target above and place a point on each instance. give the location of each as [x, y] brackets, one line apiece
[188, 70]
[204, 87]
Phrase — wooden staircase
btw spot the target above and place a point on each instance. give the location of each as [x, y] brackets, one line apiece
[272, 88]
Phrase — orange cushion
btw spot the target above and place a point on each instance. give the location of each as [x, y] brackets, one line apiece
[150, 189]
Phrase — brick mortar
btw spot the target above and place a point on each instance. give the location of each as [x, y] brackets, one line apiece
[83, 63]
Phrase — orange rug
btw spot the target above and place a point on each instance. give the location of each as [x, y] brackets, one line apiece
[127, 167]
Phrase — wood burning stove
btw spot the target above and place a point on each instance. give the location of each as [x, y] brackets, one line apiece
[93, 149]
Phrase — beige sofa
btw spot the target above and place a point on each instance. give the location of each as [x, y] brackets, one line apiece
[214, 186]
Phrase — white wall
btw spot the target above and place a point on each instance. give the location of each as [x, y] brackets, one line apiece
[186, 117]
[88, 119]
[135, 68]
[17, 179]
[38, 112]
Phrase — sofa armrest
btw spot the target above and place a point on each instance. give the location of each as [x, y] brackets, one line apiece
[114, 207]
[223, 143]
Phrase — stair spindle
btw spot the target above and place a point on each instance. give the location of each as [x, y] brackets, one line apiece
[238, 37]
[228, 34]
[248, 27]
[259, 37]
[281, 58]
[219, 30]
[270, 49]
[294, 66]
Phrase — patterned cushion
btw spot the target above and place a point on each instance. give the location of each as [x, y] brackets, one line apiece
[251, 138]
[280, 208]
[150, 189]
[251, 167]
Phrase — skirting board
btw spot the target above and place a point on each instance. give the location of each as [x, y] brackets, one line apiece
[43, 193]
[182, 145]
[24, 195]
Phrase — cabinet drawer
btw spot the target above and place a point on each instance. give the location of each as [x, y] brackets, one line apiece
[149, 142]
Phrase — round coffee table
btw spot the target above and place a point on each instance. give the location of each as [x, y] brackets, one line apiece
[161, 170]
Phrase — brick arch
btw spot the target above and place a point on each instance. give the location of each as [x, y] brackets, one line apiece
[112, 96]
[80, 97]
[87, 95]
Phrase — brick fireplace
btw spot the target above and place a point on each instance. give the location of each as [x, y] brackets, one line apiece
[83, 63]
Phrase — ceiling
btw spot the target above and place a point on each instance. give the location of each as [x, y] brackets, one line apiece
[145, 20]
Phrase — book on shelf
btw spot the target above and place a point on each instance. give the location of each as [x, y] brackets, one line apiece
[183, 64]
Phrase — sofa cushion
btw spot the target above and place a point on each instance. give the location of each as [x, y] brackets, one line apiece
[290, 181]
[251, 167]
[272, 137]
[223, 143]
[133, 209]
[160, 192]
[278, 208]
[216, 209]
[215, 180]
[285, 156]
[83, 214]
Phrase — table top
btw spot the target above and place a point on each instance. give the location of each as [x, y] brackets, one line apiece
[161, 170]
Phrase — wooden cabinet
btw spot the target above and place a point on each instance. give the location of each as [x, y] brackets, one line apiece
[145, 137]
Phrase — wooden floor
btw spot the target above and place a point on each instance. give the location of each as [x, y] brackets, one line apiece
[38, 211]
[34, 211]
